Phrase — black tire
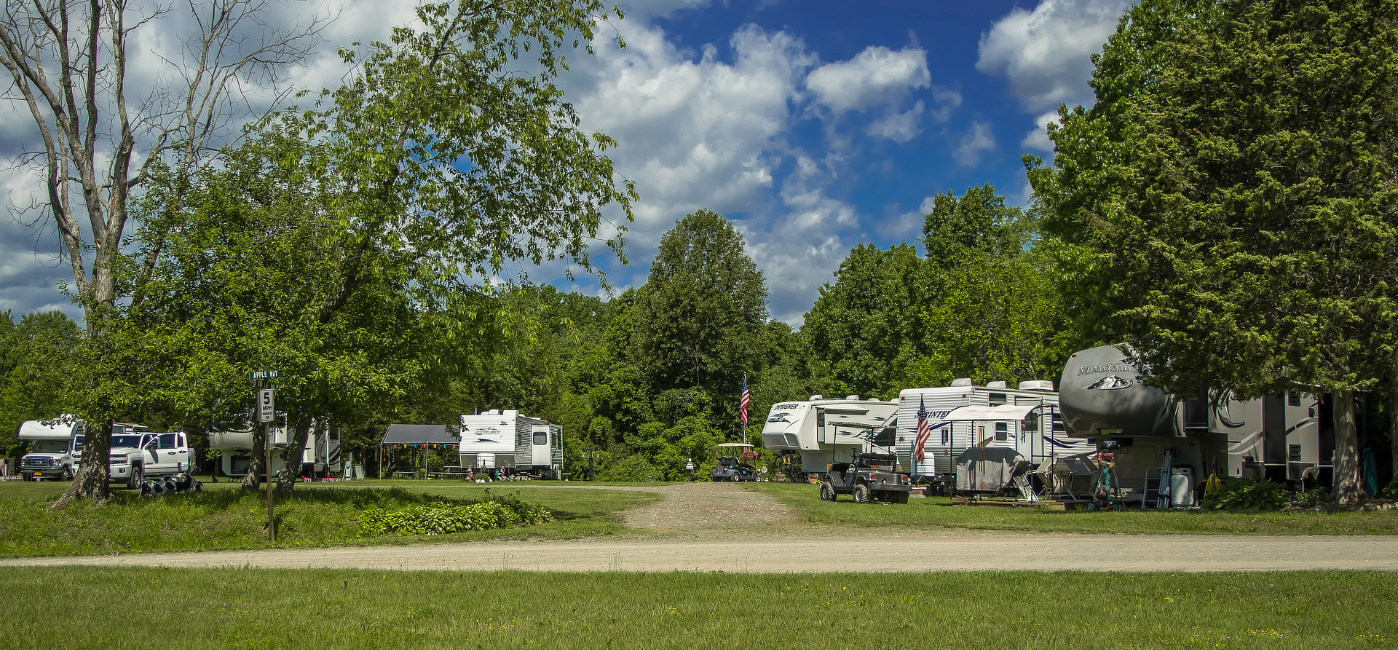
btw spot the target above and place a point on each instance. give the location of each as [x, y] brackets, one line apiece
[734, 478]
[902, 498]
[68, 474]
[827, 492]
[861, 493]
[134, 481]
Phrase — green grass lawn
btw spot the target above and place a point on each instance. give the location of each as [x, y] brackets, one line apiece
[223, 516]
[246, 609]
[937, 512]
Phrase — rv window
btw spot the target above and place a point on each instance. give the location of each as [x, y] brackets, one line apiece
[541, 438]
[996, 399]
[1002, 431]
[1293, 399]
[1030, 422]
[886, 437]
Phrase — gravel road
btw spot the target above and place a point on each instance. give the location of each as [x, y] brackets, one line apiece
[709, 527]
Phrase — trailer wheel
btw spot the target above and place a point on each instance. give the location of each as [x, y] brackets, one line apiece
[827, 493]
[861, 493]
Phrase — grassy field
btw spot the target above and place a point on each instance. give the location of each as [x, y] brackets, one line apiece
[225, 517]
[937, 512]
[247, 609]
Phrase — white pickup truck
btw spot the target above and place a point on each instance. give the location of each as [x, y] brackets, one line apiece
[136, 456]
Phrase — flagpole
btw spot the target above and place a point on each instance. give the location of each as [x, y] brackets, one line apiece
[745, 394]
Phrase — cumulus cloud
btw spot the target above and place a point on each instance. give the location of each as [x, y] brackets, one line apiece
[898, 127]
[906, 226]
[1045, 54]
[977, 141]
[1038, 137]
[873, 77]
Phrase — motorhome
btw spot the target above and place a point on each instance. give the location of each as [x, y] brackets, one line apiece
[826, 431]
[508, 440]
[321, 455]
[55, 448]
[981, 436]
[1163, 447]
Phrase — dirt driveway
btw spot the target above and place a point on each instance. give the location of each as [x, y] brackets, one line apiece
[709, 527]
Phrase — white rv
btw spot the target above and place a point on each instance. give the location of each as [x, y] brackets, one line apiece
[826, 431]
[55, 448]
[980, 434]
[507, 440]
[322, 452]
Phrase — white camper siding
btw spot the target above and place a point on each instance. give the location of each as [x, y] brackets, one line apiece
[488, 440]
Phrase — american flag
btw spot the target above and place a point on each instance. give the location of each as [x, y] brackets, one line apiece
[743, 405]
[924, 431]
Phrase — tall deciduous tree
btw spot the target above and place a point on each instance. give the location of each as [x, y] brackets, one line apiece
[862, 329]
[1233, 187]
[99, 131]
[703, 309]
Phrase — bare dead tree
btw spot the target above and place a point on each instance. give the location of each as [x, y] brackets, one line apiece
[102, 130]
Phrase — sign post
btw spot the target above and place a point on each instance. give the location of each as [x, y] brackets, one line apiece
[266, 415]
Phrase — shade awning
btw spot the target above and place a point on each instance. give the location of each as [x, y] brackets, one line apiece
[420, 434]
[1001, 412]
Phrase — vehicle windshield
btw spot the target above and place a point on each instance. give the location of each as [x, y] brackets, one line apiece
[78, 444]
[49, 446]
[126, 441]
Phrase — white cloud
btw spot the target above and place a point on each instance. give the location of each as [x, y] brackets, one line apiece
[873, 77]
[1038, 137]
[947, 100]
[906, 226]
[898, 127]
[978, 141]
[1045, 54]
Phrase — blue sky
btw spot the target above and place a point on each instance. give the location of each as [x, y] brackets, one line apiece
[815, 125]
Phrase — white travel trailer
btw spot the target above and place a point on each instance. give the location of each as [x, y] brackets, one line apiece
[979, 435]
[507, 440]
[826, 431]
[55, 448]
[321, 455]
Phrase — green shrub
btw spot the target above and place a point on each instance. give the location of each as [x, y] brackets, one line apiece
[1245, 495]
[1311, 497]
[1391, 491]
[441, 518]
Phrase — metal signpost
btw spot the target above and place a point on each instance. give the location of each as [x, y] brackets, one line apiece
[266, 415]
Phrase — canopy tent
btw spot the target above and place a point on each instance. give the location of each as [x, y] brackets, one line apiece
[417, 436]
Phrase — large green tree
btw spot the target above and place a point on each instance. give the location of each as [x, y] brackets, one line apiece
[702, 315]
[1232, 195]
[862, 329]
[36, 369]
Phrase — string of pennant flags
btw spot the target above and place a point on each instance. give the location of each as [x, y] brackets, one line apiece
[421, 446]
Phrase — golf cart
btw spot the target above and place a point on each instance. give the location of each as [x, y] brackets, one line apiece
[868, 477]
[732, 467]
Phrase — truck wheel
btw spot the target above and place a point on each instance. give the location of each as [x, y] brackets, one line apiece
[734, 478]
[861, 493]
[827, 493]
[902, 498]
[68, 474]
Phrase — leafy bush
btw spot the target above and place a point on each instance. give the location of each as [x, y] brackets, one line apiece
[1245, 495]
[1311, 497]
[1391, 491]
[441, 518]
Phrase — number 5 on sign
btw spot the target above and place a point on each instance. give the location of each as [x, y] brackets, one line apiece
[266, 406]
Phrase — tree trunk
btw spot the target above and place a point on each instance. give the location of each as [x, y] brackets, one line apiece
[286, 478]
[1393, 424]
[1346, 491]
[93, 480]
[253, 479]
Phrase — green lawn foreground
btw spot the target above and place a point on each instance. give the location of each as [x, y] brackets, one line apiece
[247, 609]
[224, 517]
[937, 512]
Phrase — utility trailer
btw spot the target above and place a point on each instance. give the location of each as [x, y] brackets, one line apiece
[1162, 447]
[985, 438]
[827, 431]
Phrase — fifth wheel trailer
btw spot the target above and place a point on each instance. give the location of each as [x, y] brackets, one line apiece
[321, 455]
[826, 431]
[1163, 447]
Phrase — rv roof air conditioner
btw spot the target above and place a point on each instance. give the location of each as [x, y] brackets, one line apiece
[852, 398]
[995, 384]
[817, 397]
[962, 382]
[1037, 384]
[492, 412]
